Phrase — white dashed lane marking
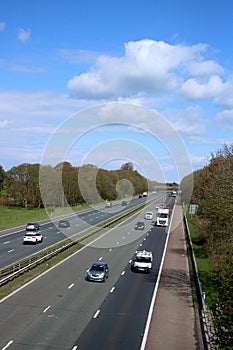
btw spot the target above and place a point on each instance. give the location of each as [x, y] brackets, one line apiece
[46, 309]
[96, 314]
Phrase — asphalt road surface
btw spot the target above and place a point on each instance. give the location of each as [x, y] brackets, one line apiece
[12, 248]
[61, 310]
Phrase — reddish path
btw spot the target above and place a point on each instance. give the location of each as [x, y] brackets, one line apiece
[173, 325]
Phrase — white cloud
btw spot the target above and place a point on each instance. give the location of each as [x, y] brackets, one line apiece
[200, 89]
[148, 68]
[4, 123]
[2, 26]
[205, 68]
[225, 98]
[24, 35]
[224, 120]
[188, 121]
[74, 56]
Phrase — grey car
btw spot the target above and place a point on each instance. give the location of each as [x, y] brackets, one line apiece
[139, 225]
[32, 226]
[98, 272]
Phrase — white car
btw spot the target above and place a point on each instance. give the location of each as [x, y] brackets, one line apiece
[149, 215]
[143, 261]
[32, 237]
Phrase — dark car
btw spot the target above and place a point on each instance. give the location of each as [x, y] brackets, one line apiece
[98, 272]
[64, 223]
[124, 203]
[139, 225]
[32, 226]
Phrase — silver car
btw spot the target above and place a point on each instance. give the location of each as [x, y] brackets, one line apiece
[98, 272]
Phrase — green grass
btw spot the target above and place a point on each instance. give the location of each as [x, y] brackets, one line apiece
[15, 216]
[202, 260]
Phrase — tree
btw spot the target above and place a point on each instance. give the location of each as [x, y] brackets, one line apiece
[2, 177]
[213, 192]
[22, 185]
[127, 166]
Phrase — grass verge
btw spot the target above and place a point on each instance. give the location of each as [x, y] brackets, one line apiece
[202, 260]
[15, 216]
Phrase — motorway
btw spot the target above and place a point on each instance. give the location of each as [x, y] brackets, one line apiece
[12, 248]
[61, 310]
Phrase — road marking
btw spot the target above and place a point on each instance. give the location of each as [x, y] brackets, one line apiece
[96, 314]
[117, 242]
[10, 251]
[130, 261]
[110, 249]
[112, 290]
[47, 308]
[124, 237]
[100, 258]
[8, 344]
[71, 286]
[6, 242]
[123, 272]
[75, 347]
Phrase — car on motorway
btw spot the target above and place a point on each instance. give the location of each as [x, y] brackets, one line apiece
[149, 215]
[124, 203]
[139, 225]
[143, 261]
[98, 272]
[33, 226]
[108, 205]
[64, 223]
[32, 237]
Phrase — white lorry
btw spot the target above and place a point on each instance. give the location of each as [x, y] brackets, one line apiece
[143, 261]
[162, 216]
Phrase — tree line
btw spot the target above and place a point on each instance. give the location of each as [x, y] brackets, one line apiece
[213, 192]
[36, 186]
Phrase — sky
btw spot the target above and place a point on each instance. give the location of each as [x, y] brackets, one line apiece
[110, 82]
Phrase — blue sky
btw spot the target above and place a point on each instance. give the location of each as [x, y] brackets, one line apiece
[59, 59]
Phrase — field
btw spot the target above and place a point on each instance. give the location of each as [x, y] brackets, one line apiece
[15, 216]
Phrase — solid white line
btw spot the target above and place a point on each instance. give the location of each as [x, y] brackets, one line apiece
[47, 308]
[71, 285]
[96, 314]
[112, 290]
[8, 344]
[146, 332]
